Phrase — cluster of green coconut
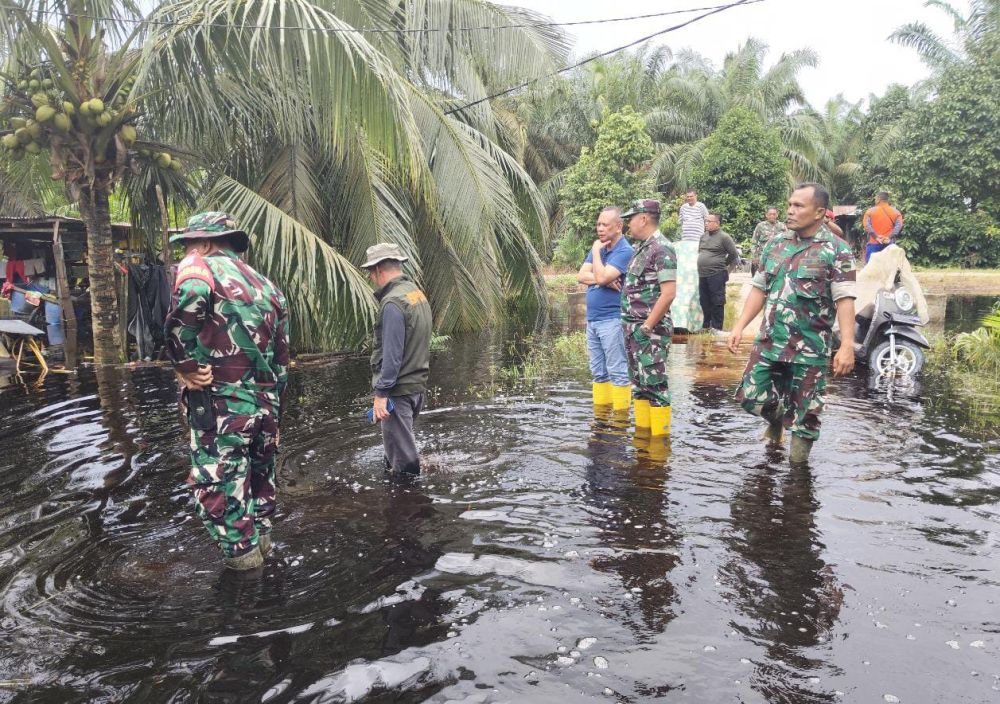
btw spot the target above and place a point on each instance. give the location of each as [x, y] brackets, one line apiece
[46, 113]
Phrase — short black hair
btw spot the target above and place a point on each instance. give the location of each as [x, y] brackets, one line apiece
[883, 195]
[690, 190]
[772, 207]
[390, 264]
[716, 216]
[821, 196]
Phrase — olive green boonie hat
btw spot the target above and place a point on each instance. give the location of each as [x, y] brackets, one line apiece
[212, 225]
[647, 205]
[382, 251]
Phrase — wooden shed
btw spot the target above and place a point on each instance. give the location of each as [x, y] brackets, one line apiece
[66, 238]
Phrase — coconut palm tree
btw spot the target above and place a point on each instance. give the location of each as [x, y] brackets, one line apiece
[940, 52]
[682, 97]
[322, 126]
[696, 96]
[842, 137]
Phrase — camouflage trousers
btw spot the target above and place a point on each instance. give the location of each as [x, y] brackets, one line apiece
[233, 478]
[647, 363]
[796, 387]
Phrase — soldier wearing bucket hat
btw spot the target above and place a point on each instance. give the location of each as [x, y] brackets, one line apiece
[214, 226]
[227, 336]
[401, 355]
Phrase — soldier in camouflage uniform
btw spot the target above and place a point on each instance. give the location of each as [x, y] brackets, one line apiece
[807, 277]
[762, 234]
[650, 287]
[227, 333]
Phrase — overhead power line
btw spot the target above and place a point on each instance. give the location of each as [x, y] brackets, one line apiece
[713, 11]
[373, 30]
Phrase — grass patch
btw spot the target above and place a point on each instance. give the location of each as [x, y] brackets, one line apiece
[970, 365]
[548, 359]
[561, 283]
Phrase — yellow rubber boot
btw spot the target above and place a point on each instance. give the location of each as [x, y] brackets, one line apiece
[641, 413]
[621, 397]
[602, 393]
[659, 420]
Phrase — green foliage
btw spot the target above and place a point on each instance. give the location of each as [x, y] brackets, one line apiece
[614, 172]
[439, 343]
[979, 350]
[743, 172]
[970, 364]
[880, 132]
[562, 357]
[319, 139]
[946, 168]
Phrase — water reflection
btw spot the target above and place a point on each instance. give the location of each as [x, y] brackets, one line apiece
[551, 556]
[789, 596]
[630, 499]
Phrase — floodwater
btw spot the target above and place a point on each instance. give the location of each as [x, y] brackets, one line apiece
[547, 557]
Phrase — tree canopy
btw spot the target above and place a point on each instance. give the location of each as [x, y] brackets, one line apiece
[742, 171]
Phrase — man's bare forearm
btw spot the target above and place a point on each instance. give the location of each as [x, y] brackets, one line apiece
[845, 319]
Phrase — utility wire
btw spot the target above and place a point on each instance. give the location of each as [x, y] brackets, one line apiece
[525, 84]
[372, 30]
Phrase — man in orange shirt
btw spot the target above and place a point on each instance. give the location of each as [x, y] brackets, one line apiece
[882, 223]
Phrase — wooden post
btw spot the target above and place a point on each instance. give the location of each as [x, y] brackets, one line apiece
[168, 255]
[65, 302]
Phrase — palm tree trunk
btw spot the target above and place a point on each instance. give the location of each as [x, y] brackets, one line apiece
[103, 294]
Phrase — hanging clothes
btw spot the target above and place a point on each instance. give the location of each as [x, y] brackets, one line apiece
[148, 303]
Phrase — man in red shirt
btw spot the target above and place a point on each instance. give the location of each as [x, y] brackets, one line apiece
[882, 223]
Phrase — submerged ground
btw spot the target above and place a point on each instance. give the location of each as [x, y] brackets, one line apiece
[546, 557]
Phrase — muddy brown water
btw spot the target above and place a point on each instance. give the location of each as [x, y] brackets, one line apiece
[548, 557]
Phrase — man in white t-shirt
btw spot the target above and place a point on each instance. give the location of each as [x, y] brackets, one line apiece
[693, 214]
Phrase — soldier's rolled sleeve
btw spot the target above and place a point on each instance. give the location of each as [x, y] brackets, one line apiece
[666, 267]
[759, 280]
[184, 322]
[844, 281]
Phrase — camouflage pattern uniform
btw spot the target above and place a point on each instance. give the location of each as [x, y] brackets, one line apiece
[226, 315]
[762, 234]
[653, 263]
[786, 372]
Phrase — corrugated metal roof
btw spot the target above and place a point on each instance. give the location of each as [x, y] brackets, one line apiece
[845, 210]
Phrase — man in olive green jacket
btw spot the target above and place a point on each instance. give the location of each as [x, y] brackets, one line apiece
[401, 355]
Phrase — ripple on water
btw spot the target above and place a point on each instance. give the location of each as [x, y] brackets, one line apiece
[546, 554]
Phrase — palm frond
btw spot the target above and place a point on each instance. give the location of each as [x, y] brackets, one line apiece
[933, 50]
[330, 302]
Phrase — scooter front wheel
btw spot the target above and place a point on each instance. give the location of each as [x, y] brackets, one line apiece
[909, 358]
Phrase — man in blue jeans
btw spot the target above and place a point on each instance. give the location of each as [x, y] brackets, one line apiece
[604, 273]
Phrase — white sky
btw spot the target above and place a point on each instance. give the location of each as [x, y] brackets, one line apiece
[849, 35]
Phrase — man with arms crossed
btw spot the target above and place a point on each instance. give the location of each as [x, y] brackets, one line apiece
[603, 273]
[807, 276]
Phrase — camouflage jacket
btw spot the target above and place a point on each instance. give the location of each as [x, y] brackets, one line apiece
[802, 279]
[762, 234]
[226, 315]
[653, 263]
